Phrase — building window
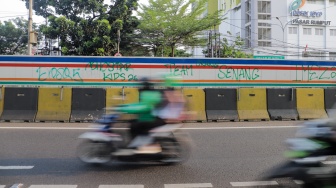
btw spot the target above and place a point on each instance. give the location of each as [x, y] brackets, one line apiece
[332, 56]
[264, 24]
[264, 33]
[223, 5]
[264, 10]
[318, 31]
[264, 36]
[248, 11]
[292, 30]
[307, 31]
[264, 43]
[264, 17]
[248, 36]
[264, 7]
[332, 32]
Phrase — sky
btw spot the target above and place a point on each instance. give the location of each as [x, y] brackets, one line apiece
[10, 9]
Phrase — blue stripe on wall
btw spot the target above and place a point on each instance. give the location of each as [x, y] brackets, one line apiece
[135, 60]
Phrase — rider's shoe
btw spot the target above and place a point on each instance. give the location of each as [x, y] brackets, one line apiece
[124, 152]
[149, 149]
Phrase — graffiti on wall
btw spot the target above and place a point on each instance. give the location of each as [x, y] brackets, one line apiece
[223, 72]
[315, 73]
[111, 71]
[196, 72]
[55, 73]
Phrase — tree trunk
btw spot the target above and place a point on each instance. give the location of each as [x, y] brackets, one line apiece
[172, 48]
[155, 51]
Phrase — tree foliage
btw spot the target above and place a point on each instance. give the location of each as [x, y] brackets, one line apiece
[88, 27]
[229, 48]
[13, 36]
[174, 23]
[234, 49]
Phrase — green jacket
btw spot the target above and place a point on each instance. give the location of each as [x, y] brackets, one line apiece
[148, 102]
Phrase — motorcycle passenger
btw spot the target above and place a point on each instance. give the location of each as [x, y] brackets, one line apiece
[149, 98]
[173, 103]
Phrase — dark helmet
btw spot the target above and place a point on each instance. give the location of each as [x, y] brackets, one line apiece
[146, 84]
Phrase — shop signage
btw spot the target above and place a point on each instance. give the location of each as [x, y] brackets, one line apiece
[294, 11]
[306, 13]
[310, 22]
[296, 4]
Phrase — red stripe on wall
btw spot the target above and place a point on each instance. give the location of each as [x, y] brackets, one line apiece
[170, 66]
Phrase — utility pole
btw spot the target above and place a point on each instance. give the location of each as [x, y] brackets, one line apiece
[118, 39]
[30, 26]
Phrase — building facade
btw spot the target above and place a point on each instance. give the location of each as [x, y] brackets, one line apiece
[282, 29]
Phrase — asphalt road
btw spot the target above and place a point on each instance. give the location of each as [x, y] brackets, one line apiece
[228, 154]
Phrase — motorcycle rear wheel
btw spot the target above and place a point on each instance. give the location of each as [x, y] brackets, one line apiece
[93, 152]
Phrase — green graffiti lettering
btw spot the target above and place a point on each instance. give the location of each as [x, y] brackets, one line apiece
[333, 75]
[177, 72]
[242, 73]
[248, 74]
[75, 75]
[219, 75]
[236, 74]
[321, 77]
[107, 76]
[132, 77]
[40, 74]
[58, 74]
[111, 70]
[255, 74]
[226, 72]
[180, 70]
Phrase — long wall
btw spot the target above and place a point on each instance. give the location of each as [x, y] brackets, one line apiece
[124, 71]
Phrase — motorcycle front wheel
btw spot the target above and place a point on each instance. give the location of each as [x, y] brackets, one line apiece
[174, 151]
[94, 152]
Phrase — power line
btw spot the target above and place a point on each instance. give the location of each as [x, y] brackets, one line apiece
[281, 16]
[279, 52]
[277, 39]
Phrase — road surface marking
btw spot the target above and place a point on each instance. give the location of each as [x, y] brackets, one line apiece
[16, 167]
[195, 185]
[121, 186]
[53, 186]
[254, 127]
[253, 183]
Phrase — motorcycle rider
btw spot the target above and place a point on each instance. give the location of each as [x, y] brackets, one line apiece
[149, 98]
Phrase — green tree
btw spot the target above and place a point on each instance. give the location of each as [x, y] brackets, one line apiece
[234, 49]
[229, 48]
[175, 23]
[14, 36]
[88, 27]
[165, 51]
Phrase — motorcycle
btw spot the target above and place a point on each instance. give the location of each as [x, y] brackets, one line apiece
[104, 144]
[313, 144]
